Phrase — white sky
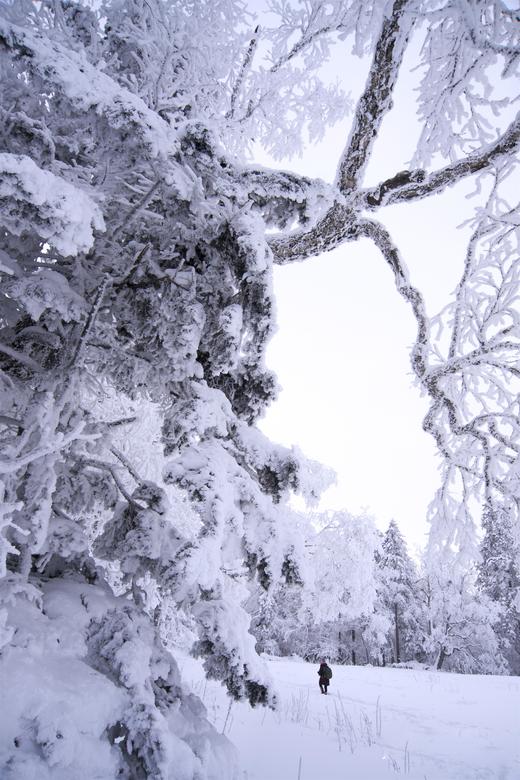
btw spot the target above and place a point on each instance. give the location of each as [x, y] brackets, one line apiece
[341, 353]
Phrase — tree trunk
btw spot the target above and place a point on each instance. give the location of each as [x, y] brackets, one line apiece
[440, 659]
[353, 651]
[366, 649]
[397, 649]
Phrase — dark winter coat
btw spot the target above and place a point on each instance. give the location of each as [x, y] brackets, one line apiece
[325, 673]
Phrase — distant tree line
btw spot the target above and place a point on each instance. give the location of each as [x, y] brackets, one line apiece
[407, 613]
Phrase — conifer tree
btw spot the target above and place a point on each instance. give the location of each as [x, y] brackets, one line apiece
[499, 578]
[397, 593]
[136, 307]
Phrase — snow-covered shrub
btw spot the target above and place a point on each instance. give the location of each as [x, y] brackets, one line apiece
[93, 693]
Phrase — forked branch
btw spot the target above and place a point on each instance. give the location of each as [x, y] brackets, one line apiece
[376, 100]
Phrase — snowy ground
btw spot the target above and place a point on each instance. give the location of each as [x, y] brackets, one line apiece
[374, 723]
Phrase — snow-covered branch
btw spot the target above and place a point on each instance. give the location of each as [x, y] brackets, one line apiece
[338, 225]
[61, 214]
[376, 99]
[335, 228]
[87, 86]
[414, 185]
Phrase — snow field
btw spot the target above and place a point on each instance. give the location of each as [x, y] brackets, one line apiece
[374, 724]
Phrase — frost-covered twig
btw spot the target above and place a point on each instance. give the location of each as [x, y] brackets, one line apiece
[227, 716]
[20, 357]
[60, 442]
[248, 58]
[136, 208]
[110, 467]
[119, 281]
[122, 421]
[89, 324]
[126, 463]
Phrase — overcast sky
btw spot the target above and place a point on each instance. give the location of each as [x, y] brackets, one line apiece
[342, 348]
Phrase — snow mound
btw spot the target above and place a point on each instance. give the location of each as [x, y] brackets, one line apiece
[90, 693]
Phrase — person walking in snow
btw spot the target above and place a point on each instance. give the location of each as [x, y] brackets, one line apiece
[325, 673]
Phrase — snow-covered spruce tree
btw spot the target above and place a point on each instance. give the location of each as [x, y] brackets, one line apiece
[136, 305]
[277, 615]
[397, 595]
[499, 579]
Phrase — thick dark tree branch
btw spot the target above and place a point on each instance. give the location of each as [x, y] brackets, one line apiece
[376, 100]
[430, 379]
[337, 226]
[382, 239]
[413, 185]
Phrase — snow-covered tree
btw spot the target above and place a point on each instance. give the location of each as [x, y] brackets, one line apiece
[459, 630]
[315, 613]
[136, 306]
[397, 597]
[499, 579]
[475, 415]
[470, 55]
[342, 559]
